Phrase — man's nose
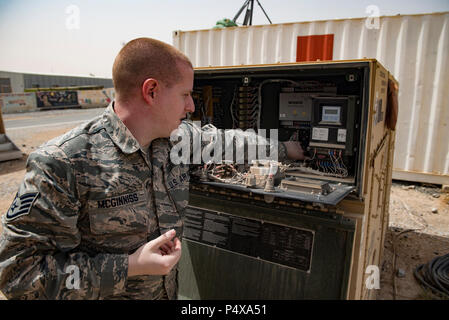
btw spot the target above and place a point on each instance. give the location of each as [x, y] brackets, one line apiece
[190, 106]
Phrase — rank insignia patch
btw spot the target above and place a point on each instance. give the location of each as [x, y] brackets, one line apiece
[21, 205]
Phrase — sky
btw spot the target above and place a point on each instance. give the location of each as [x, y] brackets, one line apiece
[82, 37]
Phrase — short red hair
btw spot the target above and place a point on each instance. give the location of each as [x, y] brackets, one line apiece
[145, 58]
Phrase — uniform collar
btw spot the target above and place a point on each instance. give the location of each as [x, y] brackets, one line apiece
[118, 132]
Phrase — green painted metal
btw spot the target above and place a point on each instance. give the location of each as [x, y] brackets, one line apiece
[208, 272]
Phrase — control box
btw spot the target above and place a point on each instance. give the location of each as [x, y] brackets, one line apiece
[300, 229]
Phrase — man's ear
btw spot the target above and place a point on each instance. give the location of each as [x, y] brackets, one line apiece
[149, 88]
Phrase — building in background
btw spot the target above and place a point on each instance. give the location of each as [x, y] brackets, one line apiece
[26, 92]
[15, 82]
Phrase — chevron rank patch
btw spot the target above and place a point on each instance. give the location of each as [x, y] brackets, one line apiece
[21, 205]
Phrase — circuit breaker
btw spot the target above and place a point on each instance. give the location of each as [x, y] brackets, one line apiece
[297, 231]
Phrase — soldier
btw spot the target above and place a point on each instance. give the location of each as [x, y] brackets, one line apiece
[95, 217]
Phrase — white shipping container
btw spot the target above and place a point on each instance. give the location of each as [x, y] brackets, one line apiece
[415, 48]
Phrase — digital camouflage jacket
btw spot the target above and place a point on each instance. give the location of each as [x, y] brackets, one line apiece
[89, 199]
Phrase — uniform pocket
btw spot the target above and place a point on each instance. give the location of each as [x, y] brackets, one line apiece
[121, 214]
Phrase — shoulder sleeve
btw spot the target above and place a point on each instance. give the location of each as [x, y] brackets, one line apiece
[38, 245]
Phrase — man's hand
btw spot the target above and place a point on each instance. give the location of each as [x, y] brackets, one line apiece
[156, 257]
[294, 150]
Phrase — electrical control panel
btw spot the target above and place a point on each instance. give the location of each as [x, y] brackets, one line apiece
[297, 221]
[321, 110]
[295, 107]
[333, 123]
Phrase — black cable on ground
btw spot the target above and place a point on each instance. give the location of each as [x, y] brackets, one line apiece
[435, 276]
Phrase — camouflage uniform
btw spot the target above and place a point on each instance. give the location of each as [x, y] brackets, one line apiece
[89, 199]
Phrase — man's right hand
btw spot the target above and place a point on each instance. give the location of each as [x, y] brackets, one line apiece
[156, 257]
[294, 150]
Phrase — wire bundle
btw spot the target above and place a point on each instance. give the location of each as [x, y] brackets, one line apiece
[244, 108]
[435, 276]
[333, 168]
[338, 165]
[226, 173]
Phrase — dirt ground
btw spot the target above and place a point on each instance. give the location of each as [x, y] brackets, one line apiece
[419, 234]
[410, 209]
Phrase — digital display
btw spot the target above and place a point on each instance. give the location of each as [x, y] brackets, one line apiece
[331, 114]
